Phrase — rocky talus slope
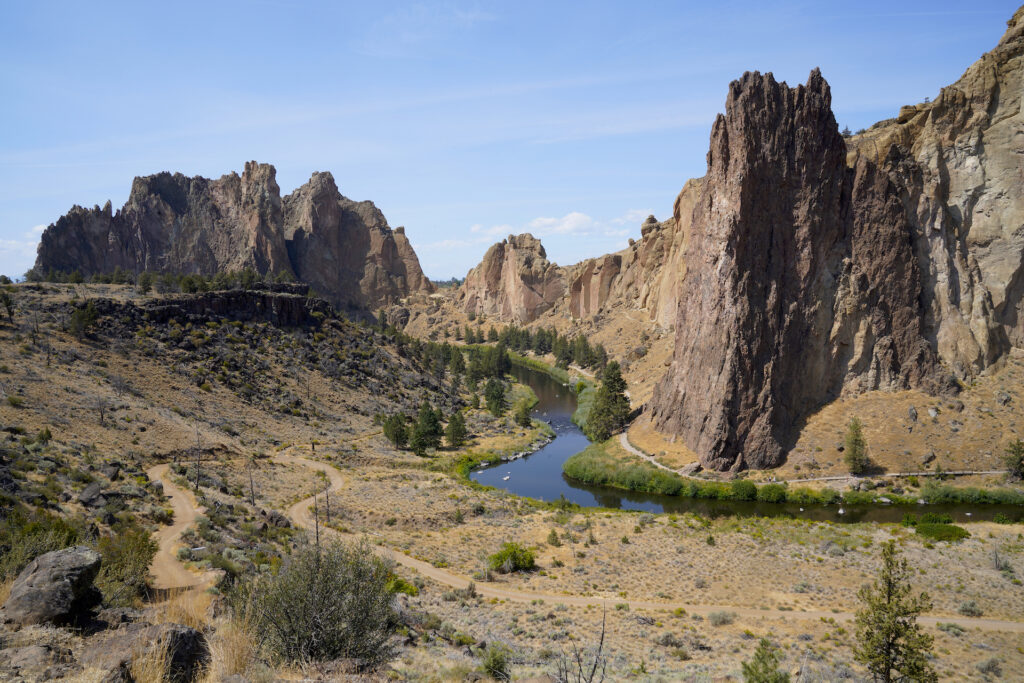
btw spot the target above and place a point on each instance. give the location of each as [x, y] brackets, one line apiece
[172, 223]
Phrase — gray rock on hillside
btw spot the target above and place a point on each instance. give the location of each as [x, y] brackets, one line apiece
[55, 588]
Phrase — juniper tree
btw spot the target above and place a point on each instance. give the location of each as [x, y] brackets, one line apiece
[455, 432]
[890, 642]
[856, 448]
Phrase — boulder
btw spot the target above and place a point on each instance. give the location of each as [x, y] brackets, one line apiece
[55, 588]
[912, 413]
[92, 496]
[114, 651]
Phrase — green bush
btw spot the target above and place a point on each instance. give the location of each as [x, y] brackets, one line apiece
[772, 493]
[744, 490]
[324, 604]
[25, 536]
[941, 532]
[495, 662]
[125, 570]
[511, 558]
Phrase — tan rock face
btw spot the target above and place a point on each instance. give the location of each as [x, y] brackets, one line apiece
[799, 276]
[515, 281]
[346, 247]
[172, 223]
[961, 185]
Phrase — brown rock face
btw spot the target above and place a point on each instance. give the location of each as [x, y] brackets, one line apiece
[342, 246]
[515, 281]
[172, 223]
[800, 279]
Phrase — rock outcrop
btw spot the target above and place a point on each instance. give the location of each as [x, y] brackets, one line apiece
[515, 281]
[55, 588]
[645, 276]
[339, 245]
[959, 176]
[800, 276]
[172, 223]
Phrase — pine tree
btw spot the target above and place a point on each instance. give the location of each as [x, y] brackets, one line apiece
[890, 642]
[856, 447]
[523, 418]
[611, 407]
[455, 432]
[395, 430]
[1014, 459]
[764, 667]
[427, 432]
[494, 395]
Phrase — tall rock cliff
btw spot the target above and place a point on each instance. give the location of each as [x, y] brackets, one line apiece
[172, 223]
[801, 281]
[338, 245]
[515, 281]
[646, 276]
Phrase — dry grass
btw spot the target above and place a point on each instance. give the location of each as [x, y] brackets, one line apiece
[189, 608]
[149, 665]
[233, 649]
[5, 589]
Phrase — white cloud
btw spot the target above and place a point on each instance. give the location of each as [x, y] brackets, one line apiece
[17, 255]
[573, 223]
[632, 217]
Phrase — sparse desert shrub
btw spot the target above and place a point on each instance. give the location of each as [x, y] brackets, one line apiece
[991, 667]
[25, 536]
[495, 661]
[721, 618]
[950, 628]
[969, 608]
[323, 604]
[511, 558]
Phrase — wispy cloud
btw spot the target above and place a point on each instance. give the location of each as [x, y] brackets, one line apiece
[17, 255]
[418, 29]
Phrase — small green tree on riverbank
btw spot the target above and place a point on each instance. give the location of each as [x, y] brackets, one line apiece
[455, 432]
[494, 395]
[1014, 459]
[856, 447]
[611, 407]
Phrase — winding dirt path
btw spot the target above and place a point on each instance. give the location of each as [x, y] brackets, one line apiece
[624, 441]
[169, 573]
[167, 570]
[301, 515]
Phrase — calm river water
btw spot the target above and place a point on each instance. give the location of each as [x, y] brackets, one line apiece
[540, 476]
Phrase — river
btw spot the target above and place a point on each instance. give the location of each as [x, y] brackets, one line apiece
[539, 475]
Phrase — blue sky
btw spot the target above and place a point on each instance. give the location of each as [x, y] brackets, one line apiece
[464, 120]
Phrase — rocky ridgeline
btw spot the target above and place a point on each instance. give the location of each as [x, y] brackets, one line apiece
[176, 224]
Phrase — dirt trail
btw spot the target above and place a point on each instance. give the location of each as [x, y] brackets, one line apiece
[301, 515]
[168, 572]
[624, 441]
